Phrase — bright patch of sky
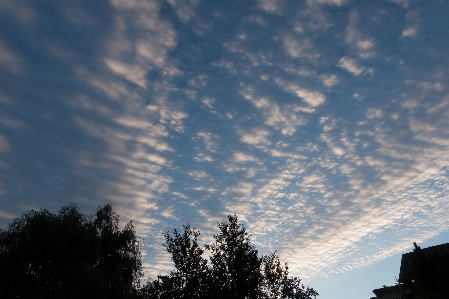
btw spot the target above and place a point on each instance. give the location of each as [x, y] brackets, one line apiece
[323, 125]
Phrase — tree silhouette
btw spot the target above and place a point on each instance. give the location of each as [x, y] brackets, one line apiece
[69, 255]
[235, 264]
[191, 277]
[234, 269]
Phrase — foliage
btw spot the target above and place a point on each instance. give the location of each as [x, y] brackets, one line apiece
[191, 276]
[234, 269]
[69, 255]
[429, 278]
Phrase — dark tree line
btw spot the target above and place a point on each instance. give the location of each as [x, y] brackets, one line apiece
[71, 255]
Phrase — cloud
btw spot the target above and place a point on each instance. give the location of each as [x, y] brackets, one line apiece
[299, 48]
[255, 137]
[208, 140]
[209, 102]
[184, 9]
[426, 85]
[199, 175]
[270, 6]
[361, 43]
[312, 98]
[411, 32]
[243, 188]
[374, 113]
[330, 80]
[329, 2]
[328, 123]
[203, 158]
[285, 119]
[148, 26]
[4, 145]
[134, 74]
[172, 118]
[240, 157]
[351, 66]
[24, 13]
[10, 60]
[403, 3]
[338, 151]
[365, 44]
[278, 153]
[99, 142]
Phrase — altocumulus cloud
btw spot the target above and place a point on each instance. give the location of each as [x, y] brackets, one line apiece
[322, 124]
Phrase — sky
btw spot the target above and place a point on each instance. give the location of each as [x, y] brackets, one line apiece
[322, 124]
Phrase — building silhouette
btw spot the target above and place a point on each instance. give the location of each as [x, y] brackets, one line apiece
[407, 272]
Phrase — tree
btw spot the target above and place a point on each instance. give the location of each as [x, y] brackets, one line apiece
[234, 269]
[69, 255]
[191, 277]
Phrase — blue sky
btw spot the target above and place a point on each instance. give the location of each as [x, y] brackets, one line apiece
[322, 124]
